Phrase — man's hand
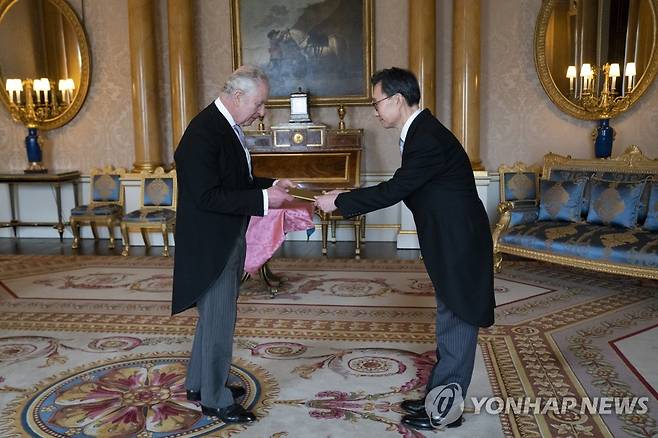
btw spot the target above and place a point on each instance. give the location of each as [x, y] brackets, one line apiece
[285, 183]
[277, 197]
[327, 203]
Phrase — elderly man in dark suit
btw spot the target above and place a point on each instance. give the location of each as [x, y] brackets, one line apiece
[436, 182]
[217, 194]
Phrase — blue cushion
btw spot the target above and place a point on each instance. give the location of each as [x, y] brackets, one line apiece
[98, 210]
[524, 215]
[106, 188]
[633, 247]
[520, 185]
[575, 175]
[615, 203]
[561, 200]
[631, 177]
[158, 192]
[160, 215]
[651, 223]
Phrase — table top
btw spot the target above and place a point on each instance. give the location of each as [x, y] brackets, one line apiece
[18, 176]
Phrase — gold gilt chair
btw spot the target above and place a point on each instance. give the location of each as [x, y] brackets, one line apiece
[157, 209]
[105, 204]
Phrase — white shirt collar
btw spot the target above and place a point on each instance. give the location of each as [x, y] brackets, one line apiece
[407, 124]
[222, 109]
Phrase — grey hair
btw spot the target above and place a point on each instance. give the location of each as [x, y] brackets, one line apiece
[245, 78]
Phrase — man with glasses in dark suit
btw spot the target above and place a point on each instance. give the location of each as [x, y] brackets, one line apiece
[436, 182]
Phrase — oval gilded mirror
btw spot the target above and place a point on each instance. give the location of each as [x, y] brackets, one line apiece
[595, 58]
[44, 61]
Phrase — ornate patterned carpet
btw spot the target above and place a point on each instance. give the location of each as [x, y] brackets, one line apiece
[87, 348]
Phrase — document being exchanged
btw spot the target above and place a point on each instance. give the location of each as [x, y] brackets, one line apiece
[303, 194]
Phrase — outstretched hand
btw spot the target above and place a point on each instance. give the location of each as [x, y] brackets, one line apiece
[277, 196]
[285, 183]
[327, 202]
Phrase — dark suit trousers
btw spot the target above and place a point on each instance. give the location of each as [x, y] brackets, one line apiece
[455, 351]
[212, 351]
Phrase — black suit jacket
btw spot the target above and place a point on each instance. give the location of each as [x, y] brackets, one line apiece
[436, 182]
[215, 200]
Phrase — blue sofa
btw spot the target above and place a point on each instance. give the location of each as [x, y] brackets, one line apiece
[597, 214]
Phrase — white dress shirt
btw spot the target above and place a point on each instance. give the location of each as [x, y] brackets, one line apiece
[405, 128]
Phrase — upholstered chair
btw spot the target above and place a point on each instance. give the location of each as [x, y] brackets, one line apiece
[157, 210]
[105, 205]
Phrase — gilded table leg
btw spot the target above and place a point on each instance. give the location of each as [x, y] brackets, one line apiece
[58, 199]
[272, 281]
[12, 203]
[110, 230]
[125, 236]
[75, 230]
[165, 240]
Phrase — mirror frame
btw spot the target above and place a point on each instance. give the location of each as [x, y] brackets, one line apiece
[85, 69]
[552, 90]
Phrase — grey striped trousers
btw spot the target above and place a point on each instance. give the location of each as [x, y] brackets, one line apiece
[212, 350]
[456, 341]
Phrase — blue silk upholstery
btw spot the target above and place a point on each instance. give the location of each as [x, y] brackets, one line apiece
[98, 210]
[635, 247]
[106, 188]
[159, 215]
[575, 175]
[651, 223]
[524, 215]
[615, 203]
[158, 192]
[561, 200]
[520, 186]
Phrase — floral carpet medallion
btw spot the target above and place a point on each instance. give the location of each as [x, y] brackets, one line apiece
[142, 397]
[88, 349]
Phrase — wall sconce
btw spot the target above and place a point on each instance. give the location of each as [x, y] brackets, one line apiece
[602, 100]
[32, 101]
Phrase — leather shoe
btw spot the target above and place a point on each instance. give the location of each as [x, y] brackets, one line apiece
[230, 414]
[414, 406]
[422, 422]
[236, 391]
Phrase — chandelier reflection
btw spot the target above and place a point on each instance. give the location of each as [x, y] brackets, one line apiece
[601, 98]
[33, 101]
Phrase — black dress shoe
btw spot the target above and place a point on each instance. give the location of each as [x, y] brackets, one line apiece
[414, 406]
[236, 391]
[230, 414]
[422, 422]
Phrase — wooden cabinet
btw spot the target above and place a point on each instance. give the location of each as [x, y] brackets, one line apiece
[334, 162]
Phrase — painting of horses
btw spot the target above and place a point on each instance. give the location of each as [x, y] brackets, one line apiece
[323, 47]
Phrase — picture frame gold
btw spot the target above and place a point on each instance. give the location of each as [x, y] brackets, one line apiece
[323, 48]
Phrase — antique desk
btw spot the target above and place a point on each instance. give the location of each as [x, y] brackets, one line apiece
[55, 179]
[319, 161]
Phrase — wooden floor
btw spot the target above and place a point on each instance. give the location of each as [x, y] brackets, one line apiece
[371, 250]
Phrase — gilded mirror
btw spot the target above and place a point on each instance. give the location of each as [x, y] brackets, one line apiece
[43, 39]
[592, 54]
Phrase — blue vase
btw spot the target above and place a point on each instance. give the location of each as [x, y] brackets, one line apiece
[604, 137]
[33, 149]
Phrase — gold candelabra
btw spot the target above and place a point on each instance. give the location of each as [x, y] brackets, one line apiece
[609, 102]
[32, 102]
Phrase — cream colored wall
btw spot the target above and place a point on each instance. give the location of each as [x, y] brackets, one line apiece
[518, 120]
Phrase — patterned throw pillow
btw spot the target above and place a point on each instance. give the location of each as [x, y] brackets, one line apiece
[520, 186]
[561, 200]
[615, 203]
[651, 223]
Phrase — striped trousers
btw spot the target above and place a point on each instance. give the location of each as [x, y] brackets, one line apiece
[212, 350]
[456, 341]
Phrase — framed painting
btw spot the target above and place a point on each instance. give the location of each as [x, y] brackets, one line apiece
[323, 47]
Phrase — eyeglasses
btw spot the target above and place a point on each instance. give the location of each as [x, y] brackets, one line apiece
[374, 104]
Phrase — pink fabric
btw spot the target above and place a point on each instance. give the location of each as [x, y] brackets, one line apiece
[266, 234]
